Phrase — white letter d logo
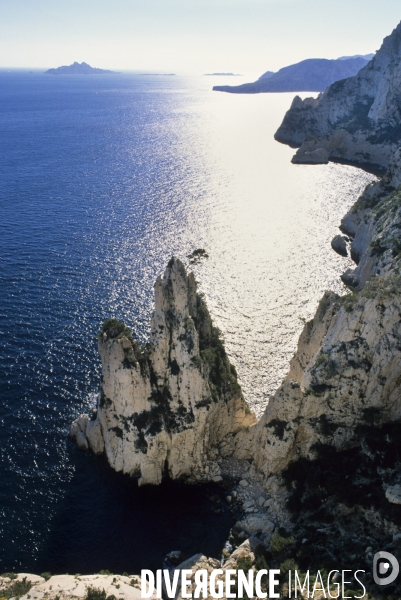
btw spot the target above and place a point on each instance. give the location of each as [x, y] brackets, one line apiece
[383, 567]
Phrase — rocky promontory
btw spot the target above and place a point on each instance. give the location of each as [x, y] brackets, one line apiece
[355, 119]
[165, 409]
[312, 74]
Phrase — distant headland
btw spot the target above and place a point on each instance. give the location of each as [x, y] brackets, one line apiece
[313, 74]
[78, 69]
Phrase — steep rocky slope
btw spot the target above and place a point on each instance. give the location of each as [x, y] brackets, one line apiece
[328, 447]
[165, 408]
[356, 119]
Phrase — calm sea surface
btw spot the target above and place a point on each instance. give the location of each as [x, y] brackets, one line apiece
[102, 179]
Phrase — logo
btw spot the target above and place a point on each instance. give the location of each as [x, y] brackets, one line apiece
[386, 564]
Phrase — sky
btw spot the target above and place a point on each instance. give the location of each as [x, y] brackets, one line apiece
[190, 36]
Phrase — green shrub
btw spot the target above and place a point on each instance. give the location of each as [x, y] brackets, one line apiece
[322, 358]
[244, 563]
[93, 593]
[285, 567]
[46, 575]
[382, 287]
[279, 542]
[16, 589]
[260, 563]
[349, 300]
[115, 329]
[196, 255]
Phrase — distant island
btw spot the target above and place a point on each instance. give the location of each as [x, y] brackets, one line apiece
[78, 69]
[311, 75]
[222, 75]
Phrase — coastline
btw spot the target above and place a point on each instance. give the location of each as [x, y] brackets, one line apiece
[253, 509]
[337, 410]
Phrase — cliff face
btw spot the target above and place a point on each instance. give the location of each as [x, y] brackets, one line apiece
[346, 370]
[165, 409]
[356, 119]
[328, 447]
[348, 363]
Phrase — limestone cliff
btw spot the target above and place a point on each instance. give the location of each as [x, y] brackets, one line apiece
[327, 449]
[165, 408]
[347, 368]
[356, 119]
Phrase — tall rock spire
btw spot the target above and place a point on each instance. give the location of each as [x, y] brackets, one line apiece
[164, 409]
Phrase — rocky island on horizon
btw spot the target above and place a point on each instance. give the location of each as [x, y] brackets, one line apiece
[77, 68]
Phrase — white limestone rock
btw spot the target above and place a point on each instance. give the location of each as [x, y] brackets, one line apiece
[197, 562]
[393, 494]
[355, 118]
[319, 156]
[348, 362]
[70, 587]
[171, 406]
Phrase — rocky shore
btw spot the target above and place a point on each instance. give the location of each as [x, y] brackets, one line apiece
[318, 477]
[356, 119]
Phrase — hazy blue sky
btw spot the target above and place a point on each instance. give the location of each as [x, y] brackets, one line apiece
[190, 36]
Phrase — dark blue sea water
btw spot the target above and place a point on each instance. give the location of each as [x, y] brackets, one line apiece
[102, 179]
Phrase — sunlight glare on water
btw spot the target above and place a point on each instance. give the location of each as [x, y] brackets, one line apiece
[103, 180]
[267, 226]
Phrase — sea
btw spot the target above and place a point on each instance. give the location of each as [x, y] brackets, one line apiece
[102, 180]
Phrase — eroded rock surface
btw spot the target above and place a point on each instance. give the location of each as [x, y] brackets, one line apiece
[70, 587]
[166, 408]
[243, 557]
[356, 118]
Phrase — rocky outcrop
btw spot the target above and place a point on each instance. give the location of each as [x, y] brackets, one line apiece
[348, 363]
[244, 557]
[165, 409]
[356, 119]
[339, 245]
[348, 366]
[327, 447]
[318, 156]
[70, 587]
